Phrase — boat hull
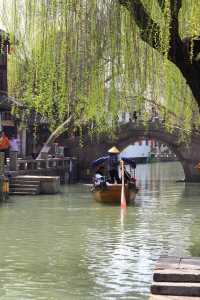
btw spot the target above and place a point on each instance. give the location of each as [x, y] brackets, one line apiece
[111, 194]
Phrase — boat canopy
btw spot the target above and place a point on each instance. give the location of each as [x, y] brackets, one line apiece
[99, 161]
[127, 160]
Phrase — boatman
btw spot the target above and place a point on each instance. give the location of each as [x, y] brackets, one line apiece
[113, 164]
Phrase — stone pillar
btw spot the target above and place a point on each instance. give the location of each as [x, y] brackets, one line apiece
[23, 142]
[189, 157]
[72, 171]
[2, 163]
[192, 173]
[13, 160]
[1, 121]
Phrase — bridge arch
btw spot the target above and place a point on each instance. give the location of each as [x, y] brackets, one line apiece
[187, 154]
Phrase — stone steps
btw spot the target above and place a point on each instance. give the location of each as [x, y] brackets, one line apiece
[160, 297]
[176, 275]
[24, 188]
[13, 184]
[45, 184]
[21, 186]
[176, 288]
[23, 192]
[176, 278]
[16, 180]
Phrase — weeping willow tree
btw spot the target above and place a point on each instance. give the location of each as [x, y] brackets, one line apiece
[83, 61]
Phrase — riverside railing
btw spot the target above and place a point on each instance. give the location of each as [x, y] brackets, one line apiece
[38, 164]
[67, 165]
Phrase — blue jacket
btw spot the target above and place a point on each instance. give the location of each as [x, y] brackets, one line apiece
[113, 162]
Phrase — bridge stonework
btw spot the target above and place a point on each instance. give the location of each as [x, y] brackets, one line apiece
[187, 153]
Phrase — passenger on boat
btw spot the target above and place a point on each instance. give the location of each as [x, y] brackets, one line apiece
[113, 164]
[99, 177]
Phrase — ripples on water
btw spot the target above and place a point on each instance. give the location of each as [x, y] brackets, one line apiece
[69, 247]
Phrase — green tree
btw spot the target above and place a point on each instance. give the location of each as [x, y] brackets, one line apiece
[183, 45]
[82, 60]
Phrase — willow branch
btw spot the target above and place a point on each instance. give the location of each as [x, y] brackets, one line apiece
[149, 29]
[175, 6]
[161, 4]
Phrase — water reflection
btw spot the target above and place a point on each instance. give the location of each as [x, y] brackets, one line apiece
[69, 247]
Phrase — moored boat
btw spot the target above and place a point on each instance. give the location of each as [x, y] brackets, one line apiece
[111, 193]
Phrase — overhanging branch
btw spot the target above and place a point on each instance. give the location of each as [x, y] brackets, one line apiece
[175, 43]
[175, 5]
[161, 4]
[149, 29]
[179, 51]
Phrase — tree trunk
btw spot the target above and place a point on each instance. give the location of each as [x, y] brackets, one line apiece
[60, 129]
[180, 49]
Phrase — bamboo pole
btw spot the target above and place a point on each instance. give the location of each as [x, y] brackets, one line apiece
[123, 196]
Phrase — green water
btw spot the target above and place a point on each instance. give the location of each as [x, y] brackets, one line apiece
[69, 247]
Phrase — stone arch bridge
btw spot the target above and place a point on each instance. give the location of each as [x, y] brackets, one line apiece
[188, 154]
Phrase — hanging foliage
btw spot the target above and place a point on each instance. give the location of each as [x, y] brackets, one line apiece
[92, 59]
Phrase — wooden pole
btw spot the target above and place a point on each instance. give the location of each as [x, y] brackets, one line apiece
[123, 196]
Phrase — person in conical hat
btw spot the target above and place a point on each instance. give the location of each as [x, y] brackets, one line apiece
[113, 150]
[113, 164]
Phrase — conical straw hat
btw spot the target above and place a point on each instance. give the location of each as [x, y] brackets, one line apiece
[113, 150]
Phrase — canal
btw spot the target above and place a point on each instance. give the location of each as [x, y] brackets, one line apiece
[69, 247]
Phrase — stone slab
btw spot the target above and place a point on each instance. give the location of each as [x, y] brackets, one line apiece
[177, 275]
[190, 263]
[166, 262]
[176, 288]
[160, 297]
[38, 178]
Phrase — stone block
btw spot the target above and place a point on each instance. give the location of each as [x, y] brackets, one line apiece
[190, 263]
[166, 262]
[50, 185]
[177, 275]
[176, 289]
[160, 297]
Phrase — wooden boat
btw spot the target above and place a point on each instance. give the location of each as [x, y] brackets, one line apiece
[111, 193]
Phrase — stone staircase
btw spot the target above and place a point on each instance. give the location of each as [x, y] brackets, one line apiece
[24, 186]
[176, 278]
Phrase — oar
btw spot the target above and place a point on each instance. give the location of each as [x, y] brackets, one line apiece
[123, 197]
